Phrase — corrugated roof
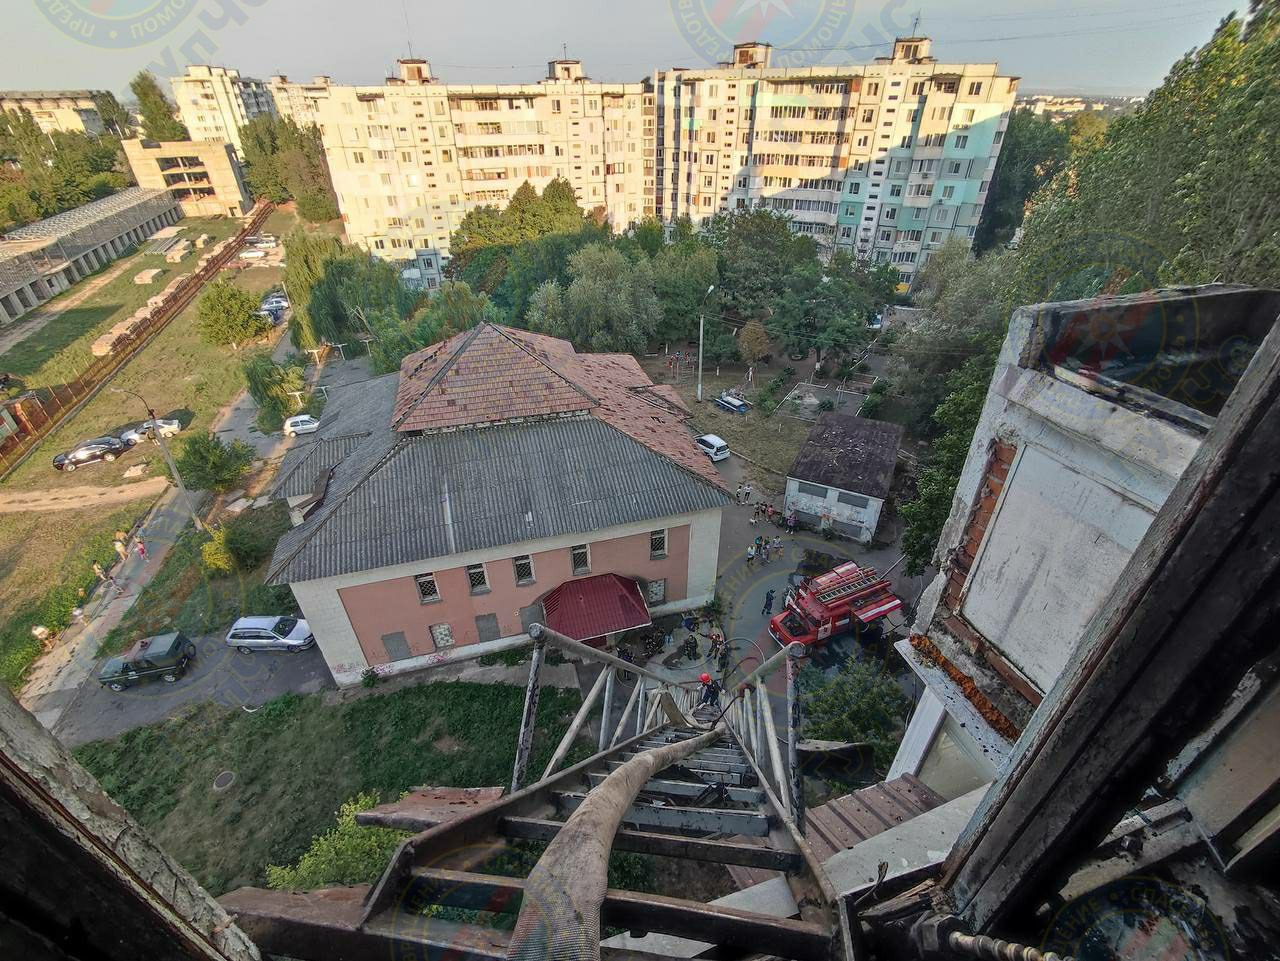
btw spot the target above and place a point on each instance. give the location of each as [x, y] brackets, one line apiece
[399, 499]
[850, 453]
[589, 607]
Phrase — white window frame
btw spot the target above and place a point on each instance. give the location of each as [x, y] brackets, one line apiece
[444, 637]
[419, 580]
[586, 550]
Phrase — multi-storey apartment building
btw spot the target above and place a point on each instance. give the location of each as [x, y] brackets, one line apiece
[70, 111]
[411, 156]
[885, 159]
[215, 102]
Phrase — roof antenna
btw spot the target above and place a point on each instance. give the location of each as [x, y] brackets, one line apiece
[404, 8]
[564, 51]
[915, 25]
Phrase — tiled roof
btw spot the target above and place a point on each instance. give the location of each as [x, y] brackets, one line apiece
[850, 453]
[481, 376]
[399, 499]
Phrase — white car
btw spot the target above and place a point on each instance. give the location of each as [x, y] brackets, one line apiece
[251, 634]
[134, 435]
[275, 303]
[252, 254]
[301, 424]
[713, 446]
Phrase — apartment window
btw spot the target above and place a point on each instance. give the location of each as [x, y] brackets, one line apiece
[917, 88]
[969, 115]
[357, 156]
[906, 141]
[428, 589]
[975, 88]
[868, 115]
[853, 500]
[656, 591]
[441, 635]
[954, 167]
[895, 190]
[477, 578]
[813, 490]
[524, 569]
[962, 141]
[580, 558]
[998, 137]
[948, 193]
[658, 544]
[873, 89]
[891, 213]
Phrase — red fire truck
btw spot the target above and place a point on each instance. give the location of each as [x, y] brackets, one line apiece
[847, 598]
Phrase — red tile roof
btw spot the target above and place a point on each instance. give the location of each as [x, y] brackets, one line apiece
[589, 607]
[491, 374]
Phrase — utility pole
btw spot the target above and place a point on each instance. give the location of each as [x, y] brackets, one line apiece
[158, 436]
[701, 328]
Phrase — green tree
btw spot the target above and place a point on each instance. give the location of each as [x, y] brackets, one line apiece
[349, 854]
[273, 386]
[115, 118]
[207, 463]
[609, 305]
[756, 250]
[228, 315]
[392, 342]
[1086, 130]
[863, 704]
[157, 110]
[682, 272]
[827, 307]
[259, 146]
[455, 307]
[649, 235]
[1033, 150]
[307, 257]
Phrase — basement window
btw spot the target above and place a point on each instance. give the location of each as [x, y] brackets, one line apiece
[428, 590]
[441, 635]
[477, 578]
[813, 490]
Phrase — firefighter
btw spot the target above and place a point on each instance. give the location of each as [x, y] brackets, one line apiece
[710, 691]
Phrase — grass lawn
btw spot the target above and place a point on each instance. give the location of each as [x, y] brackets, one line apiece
[183, 595]
[284, 220]
[297, 759]
[58, 350]
[769, 441]
[44, 558]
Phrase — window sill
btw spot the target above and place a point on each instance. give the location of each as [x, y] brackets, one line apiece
[476, 591]
[429, 600]
[585, 570]
[658, 557]
[526, 583]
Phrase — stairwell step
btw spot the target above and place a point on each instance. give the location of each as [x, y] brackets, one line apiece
[695, 762]
[720, 820]
[691, 789]
[705, 773]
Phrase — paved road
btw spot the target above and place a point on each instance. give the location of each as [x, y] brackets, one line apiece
[219, 674]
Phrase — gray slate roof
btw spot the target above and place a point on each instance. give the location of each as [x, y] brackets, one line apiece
[397, 499]
[352, 413]
[851, 453]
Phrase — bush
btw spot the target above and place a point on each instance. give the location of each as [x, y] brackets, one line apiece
[871, 406]
[206, 463]
[826, 404]
[216, 556]
[228, 315]
[348, 854]
[249, 541]
[862, 704]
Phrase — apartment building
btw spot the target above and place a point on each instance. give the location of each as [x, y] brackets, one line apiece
[70, 111]
[201, 175]
[215, 102]
[499, 479]
[411, 156]
[886, 159]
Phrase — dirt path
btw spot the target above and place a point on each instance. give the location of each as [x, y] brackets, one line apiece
[73, 498]
[20, 330]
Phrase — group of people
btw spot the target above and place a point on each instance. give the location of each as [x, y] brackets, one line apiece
[121, 546]
[763, 548]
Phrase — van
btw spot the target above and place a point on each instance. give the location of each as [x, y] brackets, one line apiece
[713, 446]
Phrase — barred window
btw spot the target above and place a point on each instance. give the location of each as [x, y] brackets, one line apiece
[580, 555]
[442, 635]
[428, 590]
[658, 543]
[524, 569]
[477, 578]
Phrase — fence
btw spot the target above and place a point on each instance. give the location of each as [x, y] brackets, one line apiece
[40, 411]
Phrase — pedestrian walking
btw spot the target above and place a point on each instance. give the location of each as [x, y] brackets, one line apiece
[769, 513]
[747, 491]
[751, 555]
[106, 578]
[768, 604]
[791, 522]
[738, 496]
[141, 547]
[764, 552]
[777, 544]
[121, 550]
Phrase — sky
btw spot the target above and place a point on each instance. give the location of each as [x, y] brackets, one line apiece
[1106, 47]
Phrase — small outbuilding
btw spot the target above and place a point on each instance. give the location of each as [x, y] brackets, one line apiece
[843, 474]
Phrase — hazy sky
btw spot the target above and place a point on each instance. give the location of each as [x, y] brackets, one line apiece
[1094, 46]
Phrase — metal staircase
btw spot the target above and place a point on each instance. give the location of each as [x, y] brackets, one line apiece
[683, 787]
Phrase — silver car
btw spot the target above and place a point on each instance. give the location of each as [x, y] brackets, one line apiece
[167, 428]
[251, 634]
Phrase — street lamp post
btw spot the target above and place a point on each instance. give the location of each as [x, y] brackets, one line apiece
[158, 436]
[701, 327]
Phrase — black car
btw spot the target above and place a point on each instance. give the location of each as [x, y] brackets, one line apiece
[165, 656]
[90, 452]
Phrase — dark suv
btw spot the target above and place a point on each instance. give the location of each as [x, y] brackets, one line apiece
[90, 452]
[165, 656]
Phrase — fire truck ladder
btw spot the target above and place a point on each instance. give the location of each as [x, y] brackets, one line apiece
[685, 785]
[864, 581]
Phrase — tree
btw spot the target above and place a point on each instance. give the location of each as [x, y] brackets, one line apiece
[49, 173]
[115, 118]
[649, 235]
[228, 315]
[489, 230]
[827, 308]
[863, 704]
[392, 342]
[207, 463]
[609, 305]
[1085, 131]
[756, 250]
[682, 272]
[285, 161]
[307, 256]
[273, 386]
[455, 307]
[350, 853]
[1033, 150]
[259, 146]
[753, 342]
[157, 110]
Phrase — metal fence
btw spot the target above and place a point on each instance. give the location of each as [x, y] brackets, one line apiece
[41, 410]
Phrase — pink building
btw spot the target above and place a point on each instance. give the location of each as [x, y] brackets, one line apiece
[500, 478]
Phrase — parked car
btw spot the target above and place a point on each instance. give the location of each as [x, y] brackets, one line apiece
[713, 446]
[251, 634]
[165, 657]
[252, 254]
[167, 428]
[275, 303]
[90, 452]
[272, 315]
[301, 424]
[734, 405]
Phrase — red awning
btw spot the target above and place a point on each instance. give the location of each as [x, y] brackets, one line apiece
[588, 607]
